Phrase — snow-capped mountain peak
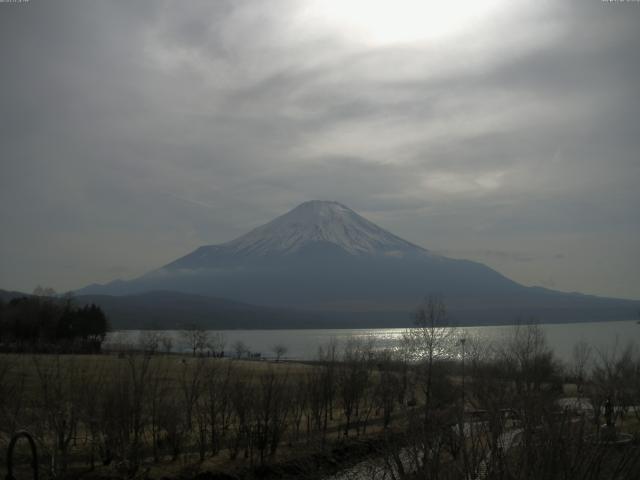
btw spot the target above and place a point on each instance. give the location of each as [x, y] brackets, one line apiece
[319, 221]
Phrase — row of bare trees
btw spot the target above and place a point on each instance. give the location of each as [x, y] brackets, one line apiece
[507, 415]
[495, 414]
[130, 409]
[195, 339]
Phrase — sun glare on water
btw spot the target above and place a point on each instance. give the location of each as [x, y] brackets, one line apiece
[384, 22]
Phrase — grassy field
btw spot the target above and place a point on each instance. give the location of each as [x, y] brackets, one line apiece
[163, 407]
[132, 415]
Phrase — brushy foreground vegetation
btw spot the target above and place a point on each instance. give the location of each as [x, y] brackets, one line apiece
[494, 412]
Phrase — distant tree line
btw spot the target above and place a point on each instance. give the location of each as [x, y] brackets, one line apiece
[47, 323]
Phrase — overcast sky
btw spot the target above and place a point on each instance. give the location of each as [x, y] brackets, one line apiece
[505, 132]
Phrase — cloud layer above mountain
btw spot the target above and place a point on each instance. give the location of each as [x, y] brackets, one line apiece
[504, 132]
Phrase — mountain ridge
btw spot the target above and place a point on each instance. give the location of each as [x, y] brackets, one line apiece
[322, 256]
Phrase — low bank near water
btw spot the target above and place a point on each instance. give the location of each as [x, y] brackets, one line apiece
[303, 344]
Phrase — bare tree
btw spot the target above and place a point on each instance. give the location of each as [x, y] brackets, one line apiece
[271, 412]
[195, 337]
[138, 375]
[192, 388]
[92, 386]
[430, 338]
[158, 391]
[58, 387]
[191, 379]
[580, 359]
[299, 405]
[353, 381]
[216, 343]
[167, 343]
[280, 350]
[12, 388]
[149, 341]
[612, 380]
[240, 348]
[387, 387]
[242, 392]
[427, 345]
[532, 371]
[217, 401]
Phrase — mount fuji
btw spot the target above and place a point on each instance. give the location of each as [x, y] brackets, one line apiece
[322, 257]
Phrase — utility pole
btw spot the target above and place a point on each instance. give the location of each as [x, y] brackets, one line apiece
[465, 456]
[462, 343]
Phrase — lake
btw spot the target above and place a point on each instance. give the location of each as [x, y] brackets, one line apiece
[303, 344]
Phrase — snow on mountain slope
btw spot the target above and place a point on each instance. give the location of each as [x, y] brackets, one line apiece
[323, 257]
[320, 221]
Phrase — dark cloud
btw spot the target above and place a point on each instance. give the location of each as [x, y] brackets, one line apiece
[132, 133]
